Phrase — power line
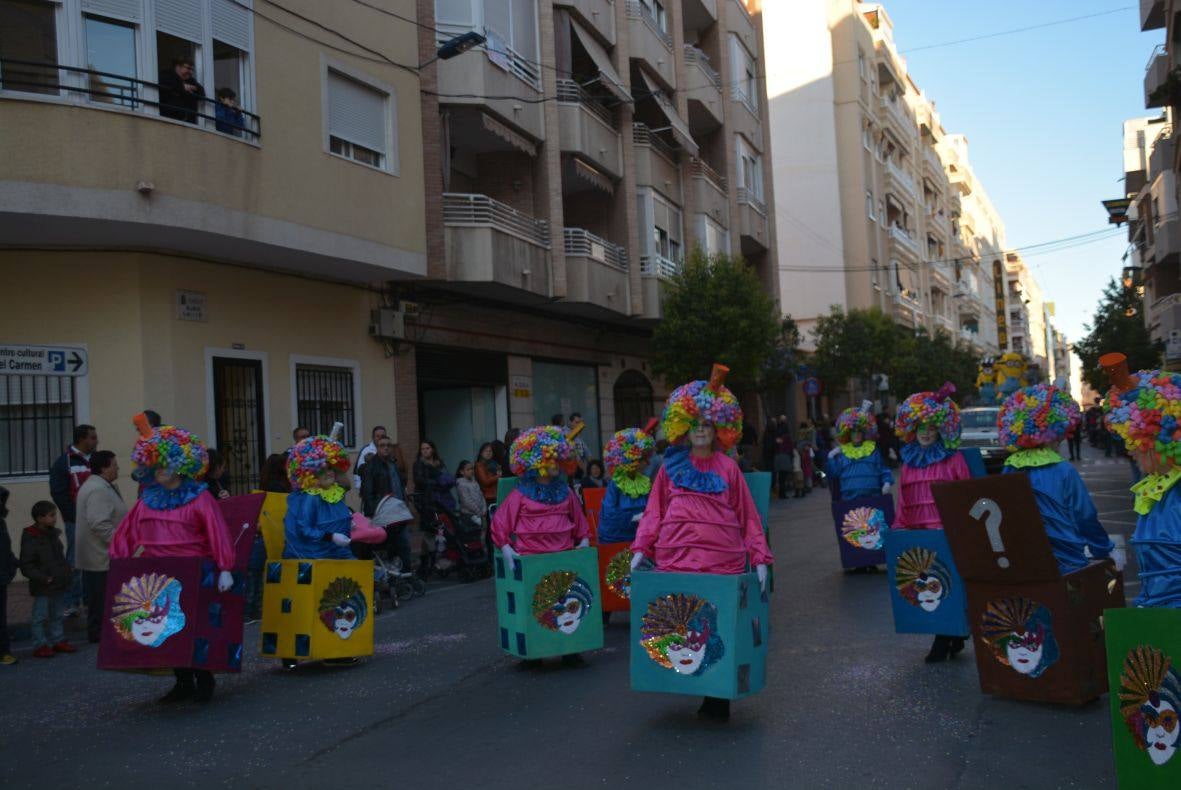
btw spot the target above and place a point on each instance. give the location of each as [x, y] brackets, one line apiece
[1018, 29]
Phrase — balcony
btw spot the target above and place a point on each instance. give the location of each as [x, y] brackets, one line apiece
[1152, 14]
[587, 129]
[738, 21]
[901, 182]
[596, 272]
[651, 44]
[699, 14]
[704, 89]
[1164, 318]
[893, 110]
[744, 118]
[656, 163]
[754, 232]
[1156, 78]
[489, 243]
[1166, 241]
[599, 15]
[945, 323]
[1163, 148]
[940, 222]
[517, 86]
[903, 242]
[961, 179]
[933, 165]
[710, 195]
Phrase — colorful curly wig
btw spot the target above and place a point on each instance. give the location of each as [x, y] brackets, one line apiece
[311, 457]
[1147, 415]
[540, 448]
[704, 401]
[627, 449]
[936, 409]
[172, 449]
[856, 420]
[1037, 416]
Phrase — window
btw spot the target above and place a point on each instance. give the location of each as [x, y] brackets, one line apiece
[867, 136]
[37, 417]
[359, 121]
[714, 239]
[110, 48]
[666, 229]
[869, 205]
[28, 32]
[743, 66]
[873, 270]
[511, 28]
[325, 395]
[862, 71]
[750, 169]
[655, 10]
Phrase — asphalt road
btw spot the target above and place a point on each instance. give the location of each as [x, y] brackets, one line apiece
[847, 703]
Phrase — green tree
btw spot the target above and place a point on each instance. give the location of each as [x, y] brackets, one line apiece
[716, 309]
[853, 346]
[925, 362]
[1118, 325]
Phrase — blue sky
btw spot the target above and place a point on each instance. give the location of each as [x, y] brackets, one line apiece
[1042, 111]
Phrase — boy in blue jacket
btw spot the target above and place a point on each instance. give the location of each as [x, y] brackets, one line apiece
[855, 466]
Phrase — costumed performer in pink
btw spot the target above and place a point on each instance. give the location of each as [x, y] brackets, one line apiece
[176, 517]
[700, 516]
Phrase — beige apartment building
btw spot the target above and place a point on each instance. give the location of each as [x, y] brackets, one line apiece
[876, 204]
[572, 161]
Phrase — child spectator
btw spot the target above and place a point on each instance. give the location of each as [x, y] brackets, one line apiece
[8, 566]
[229, 119]
[594, 475]
[472, 505]
[43, 561]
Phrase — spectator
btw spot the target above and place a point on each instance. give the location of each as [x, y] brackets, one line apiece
[488, 472]
[379, 479]
[805, 446]
[594, 475]
[510, 436]
[557, 420]
[403, 469]
[230, 119]
[748, 448]
[744, 464]
[154, 420]
[471, 498]
[216, 477]
[273, 477]
[367, 452]
[180, 93]
[100, 509]
[66, 477]
[44, 564]
[432, 478]
[8, 566]
[299, 434]
[769, 445]
[784, 456]
[580, 449]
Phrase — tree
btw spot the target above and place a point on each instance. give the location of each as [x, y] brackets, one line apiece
[853, 345]
[1118, 325]
[716, 309]
[925, 363]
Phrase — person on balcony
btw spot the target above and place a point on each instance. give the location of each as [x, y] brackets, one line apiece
[230, 119]
[180, 93]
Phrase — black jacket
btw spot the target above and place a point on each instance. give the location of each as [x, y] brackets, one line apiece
[8, 560]
[176, 102]
[43, 561]
[66, 477]
[377, 481]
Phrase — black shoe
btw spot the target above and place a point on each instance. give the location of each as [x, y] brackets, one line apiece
[714, 708]
[573, 660]
[940, 650]
[205, 686]
[181, 692]
[957, 645]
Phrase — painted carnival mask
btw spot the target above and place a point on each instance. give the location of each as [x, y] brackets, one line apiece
[929, 593]
[678, 632]
[345, 621]
[1160, 735]
[147, 609]
[1020, 633]
[561, 600]
[921, 578]
[687, 653]
[862, 528]
[343, 607]
[568, 614]
[1149, 696]
[1024, 650]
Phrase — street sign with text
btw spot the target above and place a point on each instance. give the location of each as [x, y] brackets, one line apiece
[43, 360]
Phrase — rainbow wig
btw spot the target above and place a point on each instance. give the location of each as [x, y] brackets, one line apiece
[1037, 416]
[936, 409]
[697, 402]
[626, 450]
[856, 420]
[1146, 416]
[171, 449]
[311, 457]
[541, 448]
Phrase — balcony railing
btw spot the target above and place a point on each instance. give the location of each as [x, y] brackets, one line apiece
[498, 51]
[749, 198]
[570, 92]
[480, 211]
[695, 55]
[119, 90]
[637, 10]
[904, 239]
[642, 135]
[585, 244]
[903, 178]
[703, 170]
[659, 266]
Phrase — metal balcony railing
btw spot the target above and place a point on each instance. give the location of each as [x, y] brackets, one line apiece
[695, 55]
[462, 210]
[659, 266]
[119, 90]
[642, 135]
[637, 10]
[702, 170]
[749, 198]
[583, 243]
[570, 92]
[498, 50]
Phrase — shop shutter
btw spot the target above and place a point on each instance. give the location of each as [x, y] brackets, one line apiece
[180, 18]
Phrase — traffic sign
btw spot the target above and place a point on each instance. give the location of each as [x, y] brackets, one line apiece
[43, 360]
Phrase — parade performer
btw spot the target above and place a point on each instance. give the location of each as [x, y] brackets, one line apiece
[176, 517]
[1145, 410]
[626, 455]
[854, 464]
[1033, 421]
[700, 516]
[318, 524]
[928, 423]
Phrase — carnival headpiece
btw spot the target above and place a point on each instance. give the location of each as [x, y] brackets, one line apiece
[172, 449]
[542, 448]
[936, 409]
[1144, 409]
[1036, 416]
[691, 404]
[857, 420]
[626, 450]
[311, 457]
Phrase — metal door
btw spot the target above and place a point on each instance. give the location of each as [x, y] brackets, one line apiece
[241, 427]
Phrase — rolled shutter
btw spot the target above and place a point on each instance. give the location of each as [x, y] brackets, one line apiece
[356, 112]
[231, 24]
[180, 18]
[127, 10]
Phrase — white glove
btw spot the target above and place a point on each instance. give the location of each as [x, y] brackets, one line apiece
[885, 488]
[637, 558]
[761, 572]
[509, 556]
[225, 580]
[582, 544]
[1119, 556]
[476, 520]
[340, 540]
[636, 518]
[834, 452]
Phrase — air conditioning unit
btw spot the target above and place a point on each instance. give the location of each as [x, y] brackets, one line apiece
[387, 324]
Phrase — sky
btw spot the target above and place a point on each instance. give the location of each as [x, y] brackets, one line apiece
[1042, 111]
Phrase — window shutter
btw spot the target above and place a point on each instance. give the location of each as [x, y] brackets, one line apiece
[356, 112]
[180, 18]
[455, 12]
[231, 24]
[127, 10]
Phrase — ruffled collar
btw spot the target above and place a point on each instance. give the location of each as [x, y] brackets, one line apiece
[1152, 489]
[916, 456]
[678, 465]
[329, 495]
[550, 493]
[863, 450]
[1037, 456]
[634, 485]
[157, 497]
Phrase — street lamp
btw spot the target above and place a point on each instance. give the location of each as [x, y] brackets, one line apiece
[456, 45]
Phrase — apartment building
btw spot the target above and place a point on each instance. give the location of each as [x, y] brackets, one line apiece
[219, 268]
[572, 161]
[1030, 331]
[876, 205]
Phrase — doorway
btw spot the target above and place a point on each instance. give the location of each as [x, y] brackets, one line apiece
[633, 400]
[239, 419]
[458, 420]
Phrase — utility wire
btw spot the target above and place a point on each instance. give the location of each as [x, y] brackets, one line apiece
[1018, 30]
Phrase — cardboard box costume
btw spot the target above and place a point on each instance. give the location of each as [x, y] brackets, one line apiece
[547, 606]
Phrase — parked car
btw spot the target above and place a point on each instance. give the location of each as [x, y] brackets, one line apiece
[980, 430]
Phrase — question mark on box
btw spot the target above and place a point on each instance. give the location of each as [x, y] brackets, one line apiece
[990, 511]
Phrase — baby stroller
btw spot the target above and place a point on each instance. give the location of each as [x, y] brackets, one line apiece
[453, 542]
[389, 577]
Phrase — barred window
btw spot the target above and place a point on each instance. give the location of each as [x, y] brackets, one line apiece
[36, 422]
[324, 395]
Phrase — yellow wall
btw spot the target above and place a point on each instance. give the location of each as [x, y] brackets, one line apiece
[121, 306]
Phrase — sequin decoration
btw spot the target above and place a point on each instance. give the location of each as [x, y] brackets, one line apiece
[561, 600]
[1150, 699]
[146, 610]
[863, 528]
[343, 608]
[1021, 635]
[619, 574]
[679, 631]
[922, 579]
